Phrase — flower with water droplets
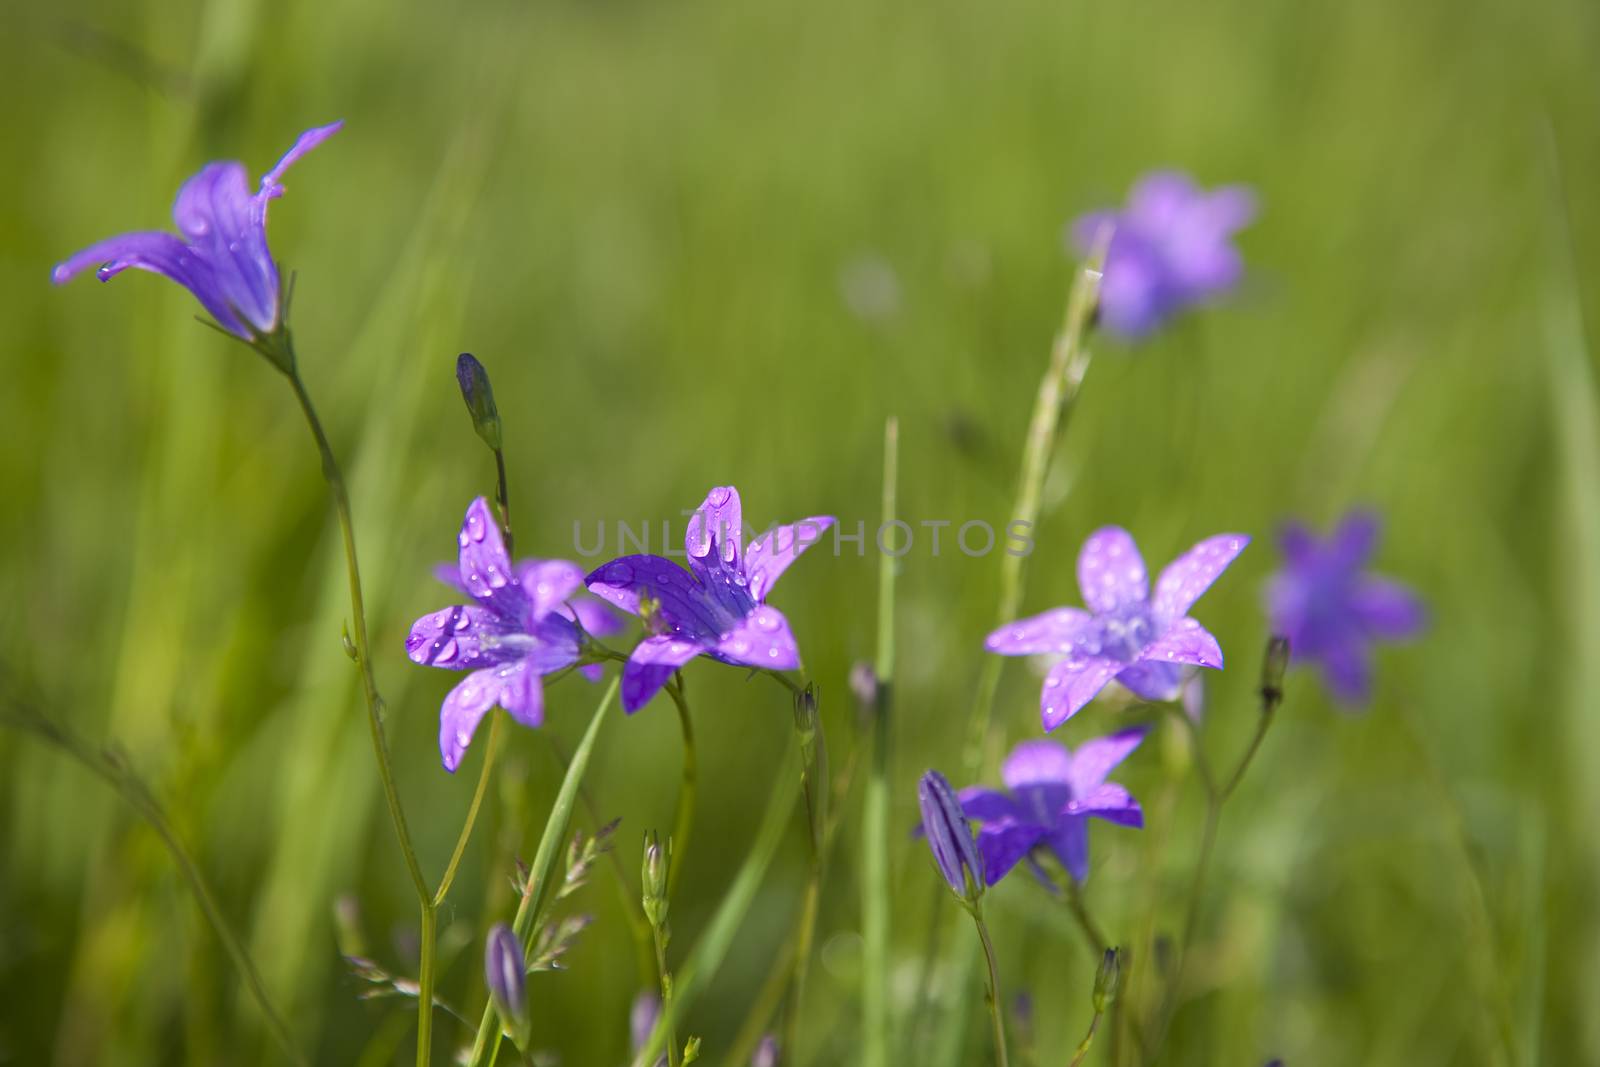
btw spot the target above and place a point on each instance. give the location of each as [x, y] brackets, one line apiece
[1142, 642]
[717, 607]
[1333, 610]
[1170, 249]
[957, 856]
[222, 257]
[513, 635]
[1050, 794]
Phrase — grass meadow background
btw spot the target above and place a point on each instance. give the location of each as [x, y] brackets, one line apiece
[706, 242]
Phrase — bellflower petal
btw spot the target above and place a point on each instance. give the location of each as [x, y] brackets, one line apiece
[1070, 843]
[1060, 630]
[1355, 540]
[463, 709]
[1004, 844]
[595, 618]
[1094, 760]
[988, 805]
[1191, 574]
[1387, 610]
[1071, 684]
[682, 602]
[771, 552]
[486, 569]
[1039, 762]
[1186, 641]
[1110, 802]
[1111, 572]
[650, 665]
[548, 582]
[1153, 680]
[463, 638]
[762, 639]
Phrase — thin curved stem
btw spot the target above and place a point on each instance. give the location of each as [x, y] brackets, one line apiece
[994, 987]
[1080, 911]
[683, 820]
[814, 788]
[491, 752]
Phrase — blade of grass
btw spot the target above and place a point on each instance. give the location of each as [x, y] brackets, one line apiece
[875, 803]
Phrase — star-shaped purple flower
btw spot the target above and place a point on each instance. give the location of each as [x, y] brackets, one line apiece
[1049, 797]
[1332, 610]
[1170, 248]
[223, 257]
[515, 633]
[1143, 642]
[717, 607]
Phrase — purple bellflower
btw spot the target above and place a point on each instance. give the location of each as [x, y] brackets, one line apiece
[1049, 796]
[950, 837]
[509, 639]
[222, 257]
[1332, 610]
[592, 616]
[1169, 249]
[717, 607]
[1141, 641]
[505, 973]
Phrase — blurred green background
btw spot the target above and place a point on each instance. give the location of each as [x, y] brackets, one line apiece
[715, 242]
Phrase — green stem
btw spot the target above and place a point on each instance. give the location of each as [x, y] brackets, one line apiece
[683, 820]
[814, 787]
[491, 752]
[875, 803]
[369, 686]
[503, 498]
[1088, 1040]
[995, 1015]
[674, 1054]
[1080, 911]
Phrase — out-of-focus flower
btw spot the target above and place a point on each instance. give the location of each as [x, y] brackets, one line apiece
[1333, 610]
[715, 608]
[766, 1054]
[1049, 797]
[1170, 248]
[506, 975]
[513, 635]
[222, 257]
[642, 1020]
[950, 837]
[1143, 642]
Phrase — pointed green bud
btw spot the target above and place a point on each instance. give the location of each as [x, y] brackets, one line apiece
[1107, 980]
[653, 875]
[691, 1050]
[1273, 666]
[478, 394]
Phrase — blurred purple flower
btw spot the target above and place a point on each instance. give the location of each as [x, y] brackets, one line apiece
[506, 976]
[513, 635]
[717, 607]
[1140, 641]
[1332, 610]
[950, 836]
[1050, 795]
[766, 1054]
[223, 257]
[1169, 249]
[642, 1020]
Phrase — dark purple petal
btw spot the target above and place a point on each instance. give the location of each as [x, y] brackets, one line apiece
[682, 602]
[219, 219]
[1003, 845]
[159, 253]
[1150, 680]
[463, 638]
[1185, 641]
[1058, 631]
[1071, 684]
[986, 805]
[1039, 762]
[1192, 573]
[1111, 802]
[548, 582]
[652, 663]
[486, 570]
[763, 639]
[1110, 571]
[770, 553]
[1386, 610]
[1070, 843]
[1095, 759]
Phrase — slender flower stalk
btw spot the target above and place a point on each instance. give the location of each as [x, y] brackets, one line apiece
[875, 803]
[1107, 979]
[683, 820]
[814, 789]
[996, 1017]
[654, 876]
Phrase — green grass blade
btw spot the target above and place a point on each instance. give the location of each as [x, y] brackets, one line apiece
[875, 803]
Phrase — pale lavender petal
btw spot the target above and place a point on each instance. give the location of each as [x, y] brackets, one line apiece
[1003, 845]
[271, 181]
[1110, 571]
[450, 574]
[1298, 544]
[1057, 631]
[986, 805]
[513, 686]
[1150, 680]
[770, 553]
[1111, 802]
[549, 582]
[1158, 201]
[683, 603]
[763, 639]
[1347, 666]
[1071, 684]
[464, 638]
[1387, 609]
[1070, 843]
[1355, 540]
[1192, 573]
[1186, 641]
[1095, 759]
[1038, 762]
[716, 528]
[1133, 299]
[592, 672]
[642, 1019]
[597, 619]
[218, 218]
[485, 568]
[159, 253]
[652, 663]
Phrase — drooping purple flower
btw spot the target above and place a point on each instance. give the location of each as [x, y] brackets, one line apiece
[717, 607]
[222, 258]
[950, 836]
[506, 976]
[1333, 610]
[1143, 642]
[513, 635]
[1049, 797]
[1170, 248]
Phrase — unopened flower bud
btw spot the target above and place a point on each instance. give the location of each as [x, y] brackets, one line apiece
[653, 875]
[1107, 980]
[506, 975]
[691, 1050]
[950, 837]
[1273, 666]
[766, 1054]
[478, 394]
